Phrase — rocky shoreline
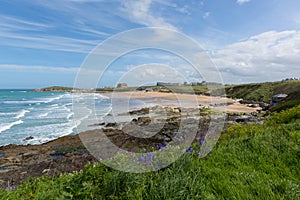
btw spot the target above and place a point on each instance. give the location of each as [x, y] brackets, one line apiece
[68, 154]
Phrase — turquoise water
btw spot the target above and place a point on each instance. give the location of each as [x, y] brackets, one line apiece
[42, 115]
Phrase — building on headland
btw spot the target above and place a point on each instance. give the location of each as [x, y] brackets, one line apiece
[167, 84]
[277, 98]
[122, 85]
[188, 84]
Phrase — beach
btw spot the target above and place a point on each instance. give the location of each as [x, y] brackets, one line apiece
[71, 153]
[185, 100]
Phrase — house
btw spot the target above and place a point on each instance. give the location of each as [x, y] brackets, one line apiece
[277, 98]
[122, 85]
[167, 84]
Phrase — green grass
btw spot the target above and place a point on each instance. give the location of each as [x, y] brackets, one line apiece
[259, 161]
[262, 91]
[292, 100]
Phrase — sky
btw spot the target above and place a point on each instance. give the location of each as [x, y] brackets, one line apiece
[44, 43]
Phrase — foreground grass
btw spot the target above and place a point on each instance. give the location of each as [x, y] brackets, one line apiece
[249, 162]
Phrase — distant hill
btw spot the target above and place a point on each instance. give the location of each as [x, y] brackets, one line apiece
[55, 89]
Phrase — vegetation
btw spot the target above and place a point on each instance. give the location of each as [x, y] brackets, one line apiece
[55, 89]
[254, 91]
[290, 101]
[259, 161]
[262, 91]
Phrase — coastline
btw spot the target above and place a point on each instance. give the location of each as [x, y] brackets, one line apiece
[68, 154]
[186, 100]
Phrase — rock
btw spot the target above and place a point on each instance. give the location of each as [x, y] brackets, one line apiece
[247, 102]
[143, 120]
[142, 111]
[28, 138]
[46, 171]
[111, 125]
[68, 154]
[30, 154]
[3, 167]
[176, 110]
[99, 124]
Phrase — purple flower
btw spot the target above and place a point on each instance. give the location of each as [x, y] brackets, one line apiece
[164, 143]
[162, 147]
[190, 149]
[142, 157]
[150, 155]
[12, 187]
[201, 141]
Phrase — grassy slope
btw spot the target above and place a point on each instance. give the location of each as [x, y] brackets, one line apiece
[262, 91]
[252, 91]
[249, 162]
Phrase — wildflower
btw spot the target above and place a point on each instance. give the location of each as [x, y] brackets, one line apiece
[150, 155]
[190, 149]
[157, 146]
[142, 157]
[163, 147]
[12, 187]
[201, 141]
[164, 143]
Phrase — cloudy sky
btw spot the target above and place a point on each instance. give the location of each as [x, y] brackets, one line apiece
[45, 42]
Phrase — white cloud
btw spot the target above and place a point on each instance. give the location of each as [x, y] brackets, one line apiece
[206, 15]
[242, 1]
[15, 68]
[183, 10]
[151, 73]
[54, 43]
[139, 12]
[14, 32]
[268, 56]
[9, 23]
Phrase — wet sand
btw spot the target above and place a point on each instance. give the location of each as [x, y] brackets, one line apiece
[184, 100]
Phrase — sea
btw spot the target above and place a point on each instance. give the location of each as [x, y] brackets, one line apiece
[28, 117]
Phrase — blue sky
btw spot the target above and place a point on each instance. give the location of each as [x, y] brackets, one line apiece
[45, 42]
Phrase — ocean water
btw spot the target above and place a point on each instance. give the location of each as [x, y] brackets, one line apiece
[44, 115]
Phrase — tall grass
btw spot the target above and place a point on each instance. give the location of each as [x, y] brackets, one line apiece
[248, 162]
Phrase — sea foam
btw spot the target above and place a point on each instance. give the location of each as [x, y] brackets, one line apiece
[21, 114]
[8, 126]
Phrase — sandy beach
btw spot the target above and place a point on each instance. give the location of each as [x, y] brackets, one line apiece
[184, 100]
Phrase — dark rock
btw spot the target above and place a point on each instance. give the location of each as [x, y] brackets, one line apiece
[28, 138]
[142, 111]
[242, 118]
[143, 120]
[99, 124]
[111, 124]
[247, 102]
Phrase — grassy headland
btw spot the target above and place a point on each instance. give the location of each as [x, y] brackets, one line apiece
[258, 161]
[262, 91]
[259, 92]
[54, 89]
